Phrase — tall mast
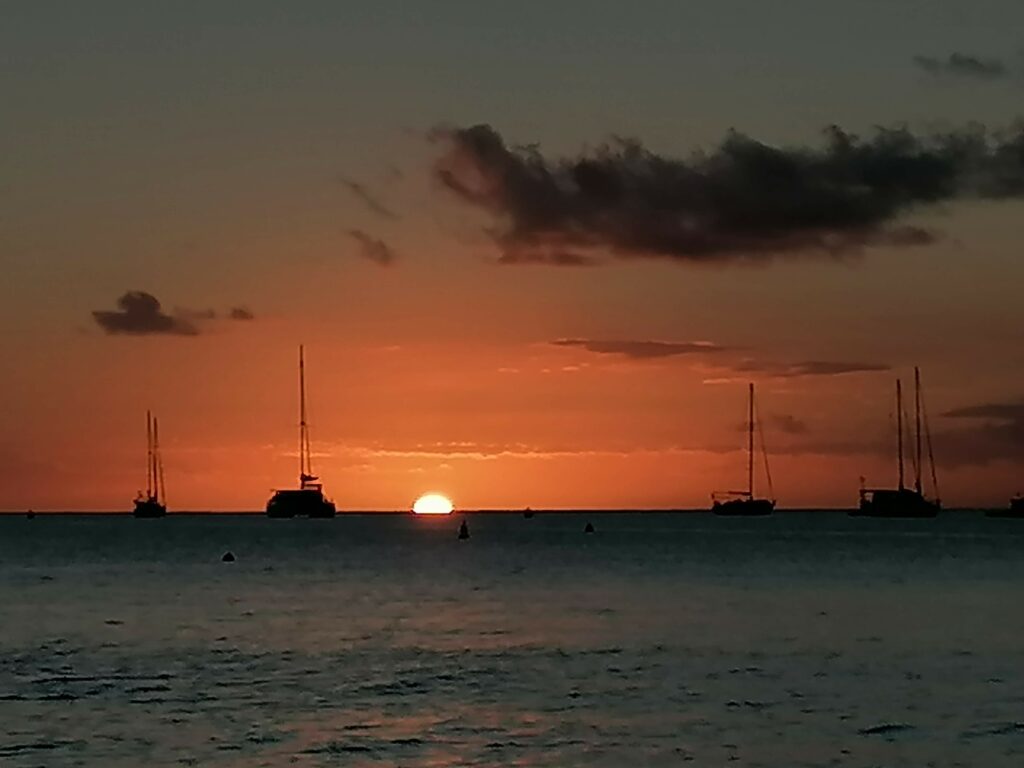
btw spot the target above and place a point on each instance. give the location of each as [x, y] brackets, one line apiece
[899, 427]
[750, 445]
[917, 420]
[158, 464]
[304, 459]
[149, 454]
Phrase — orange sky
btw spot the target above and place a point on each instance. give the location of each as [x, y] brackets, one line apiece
[218, 165]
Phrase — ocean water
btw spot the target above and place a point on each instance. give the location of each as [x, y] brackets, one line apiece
[804, 639]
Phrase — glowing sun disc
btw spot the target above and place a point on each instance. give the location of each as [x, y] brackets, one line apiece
[432, 504]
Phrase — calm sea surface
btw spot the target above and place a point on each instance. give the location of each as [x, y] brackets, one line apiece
[805, 639]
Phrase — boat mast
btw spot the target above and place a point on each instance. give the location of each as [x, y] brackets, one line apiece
[917, 419]
[158, 464]
[149, 454]
[899, 428]
[750, 445]
[305, 468]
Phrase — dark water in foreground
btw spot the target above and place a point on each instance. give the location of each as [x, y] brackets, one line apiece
[805, 639]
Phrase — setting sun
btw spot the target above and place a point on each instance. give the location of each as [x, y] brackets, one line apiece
[432, 504]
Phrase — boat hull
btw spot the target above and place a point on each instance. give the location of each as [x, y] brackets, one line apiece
[1015, 510]
[895, 503]
[743, 507]
[149, 508]
[300, 503]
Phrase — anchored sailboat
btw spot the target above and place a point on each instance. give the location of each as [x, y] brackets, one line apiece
[1014, 510]
[744, 502]
[308, 499]
[903, 501]
[153, 503]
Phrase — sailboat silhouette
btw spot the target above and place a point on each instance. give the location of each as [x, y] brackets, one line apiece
[154, 502]
[308, 499]
[903, 501]
[745, 502]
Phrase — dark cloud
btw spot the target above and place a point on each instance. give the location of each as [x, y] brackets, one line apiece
[996, 411]
[963, 65]
[743, 200]
[139, 313]
[641, 350]
[373, 249]
[241, 313]
[807, 368]
[361, 193]
[996, 435]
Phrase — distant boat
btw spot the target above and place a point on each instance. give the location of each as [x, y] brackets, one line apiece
[527, 513]
[745, 503]
[153, 503]
[308, 499]
[1015, 509]
[902, 501]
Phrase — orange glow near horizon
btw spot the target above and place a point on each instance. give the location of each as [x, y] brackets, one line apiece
[433, 504]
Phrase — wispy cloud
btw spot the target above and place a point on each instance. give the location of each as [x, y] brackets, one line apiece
[368, 199]
[744, 200]
[641, 350]
[963, 65]
[997, 434]
[807, 368]
[373, 249]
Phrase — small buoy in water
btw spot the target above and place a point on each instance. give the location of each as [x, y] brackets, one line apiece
[589, 528]
[463, 531]
[229, 557]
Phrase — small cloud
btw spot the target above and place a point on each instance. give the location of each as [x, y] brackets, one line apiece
[373, 204]
[373, 249]
[641, 350]
[807, 368]
[963, 65]
[139, 313]
[241, 313]
[993, 411]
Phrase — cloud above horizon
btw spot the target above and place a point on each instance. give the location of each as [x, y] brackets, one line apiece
[373, 249]
[640, 350]
[139, 313]
[368, 199]
[648, 349]
[997, 434]
[808, 368]
[962, 65]
[743, 201]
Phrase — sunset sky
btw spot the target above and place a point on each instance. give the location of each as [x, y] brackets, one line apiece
[535, 251]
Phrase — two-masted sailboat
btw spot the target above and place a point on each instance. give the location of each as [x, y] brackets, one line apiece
[308, 499]
[745, 502]
[903, 501]
[153, 503]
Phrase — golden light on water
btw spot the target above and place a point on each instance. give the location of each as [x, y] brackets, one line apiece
[432, 504]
